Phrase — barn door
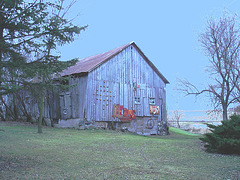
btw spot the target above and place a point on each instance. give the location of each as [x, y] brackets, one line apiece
[65, 105]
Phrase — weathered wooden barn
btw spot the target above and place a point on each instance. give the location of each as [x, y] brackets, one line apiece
[120, 89]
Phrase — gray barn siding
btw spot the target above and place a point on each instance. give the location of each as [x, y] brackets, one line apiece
[72, 102]
[28, 105]
[117, 74]
[62, 105]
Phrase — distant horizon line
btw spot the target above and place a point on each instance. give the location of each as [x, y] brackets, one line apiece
[196, 110]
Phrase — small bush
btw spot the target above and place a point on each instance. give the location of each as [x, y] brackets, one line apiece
[225, 138]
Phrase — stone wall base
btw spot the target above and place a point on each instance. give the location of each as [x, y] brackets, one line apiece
[140, 125]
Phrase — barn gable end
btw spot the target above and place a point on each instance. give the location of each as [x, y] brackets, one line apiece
[129, 81]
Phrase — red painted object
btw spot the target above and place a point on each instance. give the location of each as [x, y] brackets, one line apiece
[123, 114]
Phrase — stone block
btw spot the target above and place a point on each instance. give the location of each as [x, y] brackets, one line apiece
[69, 123]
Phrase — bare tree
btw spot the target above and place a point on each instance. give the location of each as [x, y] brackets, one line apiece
[177, 115]
[221, 44]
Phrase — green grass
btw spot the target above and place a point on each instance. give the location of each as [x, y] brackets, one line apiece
[99, 154]
[182, 132]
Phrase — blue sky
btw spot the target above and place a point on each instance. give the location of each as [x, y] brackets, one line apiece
[166, 31]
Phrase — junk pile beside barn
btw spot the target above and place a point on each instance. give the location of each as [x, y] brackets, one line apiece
[119, 89]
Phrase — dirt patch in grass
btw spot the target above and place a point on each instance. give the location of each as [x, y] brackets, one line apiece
[13, 163]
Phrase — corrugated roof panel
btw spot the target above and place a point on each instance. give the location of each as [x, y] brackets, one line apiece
[92, 62]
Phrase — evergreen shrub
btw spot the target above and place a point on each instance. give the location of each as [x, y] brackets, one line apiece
[225, 138]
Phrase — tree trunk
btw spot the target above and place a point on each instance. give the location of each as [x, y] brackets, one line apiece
[225, 113]
[178, 124]
[15, 108]
[41, 99]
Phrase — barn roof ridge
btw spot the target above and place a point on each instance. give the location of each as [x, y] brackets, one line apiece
[90, 63]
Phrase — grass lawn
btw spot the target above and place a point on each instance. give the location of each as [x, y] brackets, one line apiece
[105, 154]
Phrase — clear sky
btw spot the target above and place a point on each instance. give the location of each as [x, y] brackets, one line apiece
[167, 31]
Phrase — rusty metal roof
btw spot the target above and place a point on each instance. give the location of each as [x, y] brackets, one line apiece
[88, 64]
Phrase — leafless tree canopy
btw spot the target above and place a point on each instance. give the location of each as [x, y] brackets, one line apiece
[221, 44]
